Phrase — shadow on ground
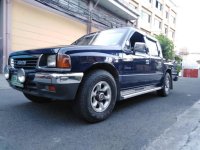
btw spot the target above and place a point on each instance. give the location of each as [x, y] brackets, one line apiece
[63, 112]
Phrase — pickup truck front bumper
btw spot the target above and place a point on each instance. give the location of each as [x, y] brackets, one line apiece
[58, 86]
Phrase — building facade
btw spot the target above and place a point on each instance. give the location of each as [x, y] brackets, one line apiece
[156, 16]
[29, 24]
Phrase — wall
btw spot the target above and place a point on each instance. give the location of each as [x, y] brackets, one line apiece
[35, 28]
[94, 30]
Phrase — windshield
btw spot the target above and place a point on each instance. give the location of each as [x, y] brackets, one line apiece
[104, 38]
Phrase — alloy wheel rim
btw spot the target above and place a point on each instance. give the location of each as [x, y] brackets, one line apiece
[100, 96]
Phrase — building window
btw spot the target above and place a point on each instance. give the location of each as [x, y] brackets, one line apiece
[173, 20]
[146, 17]
[157, 24]
[158, 5]
[166, 14]
[149, 1]
[166, 31]
[133, 4]
[172, 33]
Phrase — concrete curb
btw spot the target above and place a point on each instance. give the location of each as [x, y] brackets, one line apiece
[182, 135]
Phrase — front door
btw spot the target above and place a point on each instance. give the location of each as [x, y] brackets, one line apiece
[136, 69]
[136, 66]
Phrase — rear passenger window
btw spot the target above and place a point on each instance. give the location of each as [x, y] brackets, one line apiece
[153, 49]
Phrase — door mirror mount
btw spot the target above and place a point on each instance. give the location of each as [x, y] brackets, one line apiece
[159, 53]
[127, 45]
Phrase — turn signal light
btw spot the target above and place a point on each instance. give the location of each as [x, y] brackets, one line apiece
[63, 61]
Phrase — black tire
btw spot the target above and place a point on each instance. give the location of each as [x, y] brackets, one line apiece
[166, 86]
[176, 79]
[92, 97]
[37, 99]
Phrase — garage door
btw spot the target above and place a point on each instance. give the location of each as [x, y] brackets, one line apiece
[33, 27]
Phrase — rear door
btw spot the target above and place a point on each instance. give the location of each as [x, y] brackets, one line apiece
[156, 61]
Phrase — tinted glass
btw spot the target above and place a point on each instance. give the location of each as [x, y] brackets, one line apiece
[104, 38]
[153, 50]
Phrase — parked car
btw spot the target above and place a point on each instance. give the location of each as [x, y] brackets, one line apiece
[95, 71]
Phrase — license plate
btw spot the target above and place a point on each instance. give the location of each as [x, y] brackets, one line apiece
[15, 82]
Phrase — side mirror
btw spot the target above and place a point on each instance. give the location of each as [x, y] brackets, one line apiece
[140, 47]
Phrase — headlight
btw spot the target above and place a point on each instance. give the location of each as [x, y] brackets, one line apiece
[12, 62]
[51, 61]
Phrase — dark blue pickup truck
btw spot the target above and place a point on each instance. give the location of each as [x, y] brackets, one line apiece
[95, 71]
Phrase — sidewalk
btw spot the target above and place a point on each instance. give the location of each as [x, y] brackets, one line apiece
[3, 82]
[183, 135]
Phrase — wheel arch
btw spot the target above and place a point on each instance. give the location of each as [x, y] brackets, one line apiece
[109, 68]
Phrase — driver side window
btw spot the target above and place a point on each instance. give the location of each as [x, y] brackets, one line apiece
[136, 37]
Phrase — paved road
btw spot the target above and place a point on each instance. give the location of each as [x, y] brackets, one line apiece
[134, 123]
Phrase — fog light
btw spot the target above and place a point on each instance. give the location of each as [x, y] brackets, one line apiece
[21, 75]
[6, 72]
[51, 88]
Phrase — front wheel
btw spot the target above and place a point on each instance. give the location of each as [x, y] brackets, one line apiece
[37, 99]
[166, 86]
[97, 96]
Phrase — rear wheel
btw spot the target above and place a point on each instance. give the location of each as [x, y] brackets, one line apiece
[97, 96]
[166, 86]
[37, 99]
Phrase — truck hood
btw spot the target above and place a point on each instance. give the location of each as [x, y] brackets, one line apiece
[50, 50]
[64, 49]
[88, 48]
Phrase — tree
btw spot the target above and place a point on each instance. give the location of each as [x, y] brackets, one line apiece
[167, 47]
[178, 59]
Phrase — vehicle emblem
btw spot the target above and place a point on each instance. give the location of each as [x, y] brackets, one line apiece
[21, 62]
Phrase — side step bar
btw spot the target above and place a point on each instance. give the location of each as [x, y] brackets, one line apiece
[132, 93]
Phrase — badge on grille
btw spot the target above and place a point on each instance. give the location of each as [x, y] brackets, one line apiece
[21, 62]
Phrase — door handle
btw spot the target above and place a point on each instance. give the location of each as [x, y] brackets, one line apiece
[147, 61]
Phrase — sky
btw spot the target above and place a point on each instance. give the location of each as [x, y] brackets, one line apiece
[188, 25]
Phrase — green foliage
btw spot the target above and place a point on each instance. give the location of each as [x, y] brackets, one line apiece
[167, 47]
[178, 59]
[178, 68]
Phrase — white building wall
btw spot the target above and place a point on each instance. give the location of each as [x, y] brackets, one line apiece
[149, 6]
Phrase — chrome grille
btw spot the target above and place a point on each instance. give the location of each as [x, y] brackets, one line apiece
[26, 62]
